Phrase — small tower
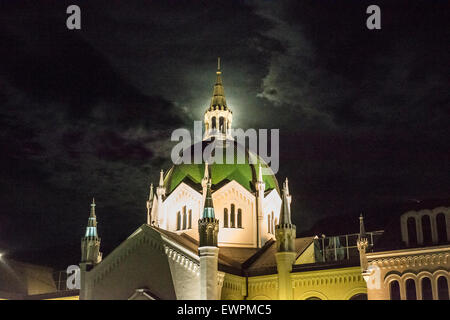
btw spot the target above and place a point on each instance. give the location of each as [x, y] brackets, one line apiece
[90, 253]
[362, 244]
[218, 116]
[150, 205]
[158, 217]
[285, 233]
[208, 229]
[90, 243]
[260, 188]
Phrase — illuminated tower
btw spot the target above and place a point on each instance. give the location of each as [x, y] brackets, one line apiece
[149, 205]
[208, 228]
[260, 187]
[218, 116]
[90, 252]
[90, 243]
[285, 233]
[362, 244]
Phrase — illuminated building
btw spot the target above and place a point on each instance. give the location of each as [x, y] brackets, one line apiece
[412, 260]
[223, 231]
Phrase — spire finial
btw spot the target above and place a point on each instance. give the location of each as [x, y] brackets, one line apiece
[286, 186]
[218, 64]
[260, 175]
[150, 195]
[93, 207]
[285, 214]
[362, 230]
[161, 178]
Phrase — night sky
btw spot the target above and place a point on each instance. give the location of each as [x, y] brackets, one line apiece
[363, 115]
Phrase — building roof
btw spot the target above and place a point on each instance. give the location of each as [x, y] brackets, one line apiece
[242, 261]
[220, 173]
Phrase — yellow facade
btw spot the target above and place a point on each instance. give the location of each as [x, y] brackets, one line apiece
[329, 284]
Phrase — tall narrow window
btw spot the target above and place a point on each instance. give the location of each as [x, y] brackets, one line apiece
[441, 228]
[394, 290]
[426, 229]
[412, 234]
[239, 218]
[411, 290]
[427, 294]
[190, 219]
[221, 124]
[442, 288]
[184, 218]
[225, 218]
[232, 217]
[178, 220]
[213, 123]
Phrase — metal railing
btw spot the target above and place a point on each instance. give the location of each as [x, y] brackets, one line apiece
[341, 247]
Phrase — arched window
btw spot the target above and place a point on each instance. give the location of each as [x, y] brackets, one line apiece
[411, 290]
[268, 224]
[442, 288]
[225, 218]
[190, 219]
[441, 228]
[359, 296]
[412, 234]
[394, 290]
[221, 125]
[426, 229]
[239, 218]
[427, 293]
[232, 217]
[213, 120]
[184, 218]
[178, 220]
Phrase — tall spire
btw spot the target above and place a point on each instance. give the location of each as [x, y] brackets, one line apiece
[362, 230]
[362, 244]
[160, 190]
[93, 208]
[151, 195]
[218, 117]
[260, 175]
[90, 243]
[285, 214]
[161, 178]
[218, 99]
[285, 233]
[91, 229]
[208, 208]
[260, 187]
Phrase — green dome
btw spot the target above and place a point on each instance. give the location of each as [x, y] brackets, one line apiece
[220, 173]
